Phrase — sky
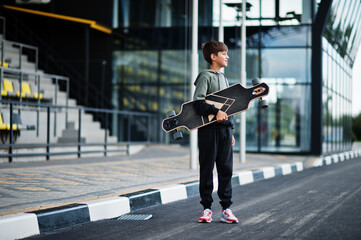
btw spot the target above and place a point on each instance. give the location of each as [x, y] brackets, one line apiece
[356, 85]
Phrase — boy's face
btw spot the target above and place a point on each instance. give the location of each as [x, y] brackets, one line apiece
[221, 59]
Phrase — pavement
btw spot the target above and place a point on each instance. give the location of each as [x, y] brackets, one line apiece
[38, 197]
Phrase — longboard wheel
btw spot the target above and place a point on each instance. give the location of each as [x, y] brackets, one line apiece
[263, 104]
[178, 135]
[171, 113]
[255, 81]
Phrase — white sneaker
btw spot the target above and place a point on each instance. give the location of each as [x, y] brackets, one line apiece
[228, 216]
[206, 216]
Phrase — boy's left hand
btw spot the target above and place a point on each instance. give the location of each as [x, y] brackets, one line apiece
[233, 141]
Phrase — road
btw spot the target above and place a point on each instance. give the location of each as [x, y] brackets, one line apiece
[317, 203]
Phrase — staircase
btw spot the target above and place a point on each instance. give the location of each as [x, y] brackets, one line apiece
[61, 132]
[49, 89]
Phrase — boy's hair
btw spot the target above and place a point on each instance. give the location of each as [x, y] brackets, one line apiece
[212, 47]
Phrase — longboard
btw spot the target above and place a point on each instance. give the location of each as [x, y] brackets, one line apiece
[232, 100]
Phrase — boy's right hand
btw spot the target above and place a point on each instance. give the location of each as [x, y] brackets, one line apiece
[221, 116]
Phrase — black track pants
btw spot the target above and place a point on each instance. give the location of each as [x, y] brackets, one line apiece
[215, 146]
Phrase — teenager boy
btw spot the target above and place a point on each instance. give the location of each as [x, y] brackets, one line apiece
[215, 141]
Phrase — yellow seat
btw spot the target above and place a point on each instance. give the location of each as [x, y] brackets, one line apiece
[5, 64]
[6, 126]
[34, 90]
[36, 96]
[2, 124]
[8, 87]
[3, 92]
[26, 92]
[15, 126]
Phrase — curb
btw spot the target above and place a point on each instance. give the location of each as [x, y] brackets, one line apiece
[336, 158]
[32, 223]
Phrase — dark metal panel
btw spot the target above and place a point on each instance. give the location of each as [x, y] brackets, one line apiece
[316, 91]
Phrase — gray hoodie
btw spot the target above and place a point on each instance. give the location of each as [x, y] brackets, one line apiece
[207, 82]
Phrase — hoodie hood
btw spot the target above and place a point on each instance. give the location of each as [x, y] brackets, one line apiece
[205, 73]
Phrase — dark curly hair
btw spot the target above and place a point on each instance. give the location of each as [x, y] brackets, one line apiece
[212, 47]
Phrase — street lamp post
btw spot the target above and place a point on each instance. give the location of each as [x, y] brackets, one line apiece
[194, 72]
[244, 7]
[242, 134]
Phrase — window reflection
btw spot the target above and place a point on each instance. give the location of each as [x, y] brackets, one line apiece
[264, 12]
[287, 36]
[342, 31]
[286, 63]
[336, 101]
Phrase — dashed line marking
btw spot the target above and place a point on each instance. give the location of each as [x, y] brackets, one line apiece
[66, 181]
[75, 173]
[104, 179]
[9, 183]
[29, 174]
[33, 189]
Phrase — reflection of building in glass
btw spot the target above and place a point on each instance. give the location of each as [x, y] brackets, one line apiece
[340, 42]
[304, 49]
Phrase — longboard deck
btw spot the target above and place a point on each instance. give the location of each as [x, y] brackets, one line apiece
[232, 100]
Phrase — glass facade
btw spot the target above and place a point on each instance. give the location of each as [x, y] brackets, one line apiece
[151, 67]
[281, 57]
[337, 108]
[339, 47]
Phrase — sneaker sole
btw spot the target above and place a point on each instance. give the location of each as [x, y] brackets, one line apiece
[226, 221]
[204, 221]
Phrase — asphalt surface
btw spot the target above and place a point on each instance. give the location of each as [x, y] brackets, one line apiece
[317, 203]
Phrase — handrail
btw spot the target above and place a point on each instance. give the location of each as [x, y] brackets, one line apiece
[100, 110]
[46, 75]
[2, 19]
[78, 143]
[38, 77]
[21, 46]
[93, 24]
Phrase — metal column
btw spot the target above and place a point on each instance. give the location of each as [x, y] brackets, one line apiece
[194, 73]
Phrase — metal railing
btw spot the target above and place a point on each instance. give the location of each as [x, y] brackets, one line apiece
[2, 24]
[21, 74]
[111, 124]
[22, 49]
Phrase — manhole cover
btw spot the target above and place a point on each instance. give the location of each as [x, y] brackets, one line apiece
[135, 217]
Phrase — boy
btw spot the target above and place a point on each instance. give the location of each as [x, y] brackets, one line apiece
[215, 141]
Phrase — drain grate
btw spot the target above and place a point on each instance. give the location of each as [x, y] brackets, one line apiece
[135, 217]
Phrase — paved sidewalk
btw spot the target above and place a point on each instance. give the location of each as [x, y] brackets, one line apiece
[34, 186]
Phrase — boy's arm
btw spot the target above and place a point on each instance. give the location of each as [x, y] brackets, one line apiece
[201, 106]
[205, 109]
[199, 96]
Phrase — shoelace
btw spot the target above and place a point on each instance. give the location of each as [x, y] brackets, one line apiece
[206, 213]
[229, 213]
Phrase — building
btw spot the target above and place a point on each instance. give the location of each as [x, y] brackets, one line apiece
[304, 49]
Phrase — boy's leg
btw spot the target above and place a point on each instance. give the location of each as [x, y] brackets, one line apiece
[224, 163]
[207, 154]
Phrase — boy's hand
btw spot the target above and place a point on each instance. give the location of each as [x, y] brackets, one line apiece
[233, 141]
[221, 116]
